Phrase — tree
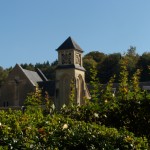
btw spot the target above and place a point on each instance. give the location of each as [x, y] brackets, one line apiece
[143, 64]
[109, 67]
[88, 63]
[132, 59]
[28, 66]
[96, 55]
[3, 75]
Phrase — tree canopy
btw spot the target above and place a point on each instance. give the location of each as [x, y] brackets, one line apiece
[108, 65]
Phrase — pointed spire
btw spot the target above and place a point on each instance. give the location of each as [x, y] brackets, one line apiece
[69, 43]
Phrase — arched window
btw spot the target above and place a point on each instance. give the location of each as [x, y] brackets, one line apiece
[64, 89]
[80, 90]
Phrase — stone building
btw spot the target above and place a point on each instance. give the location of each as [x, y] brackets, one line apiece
[70, 67]
[20, 81]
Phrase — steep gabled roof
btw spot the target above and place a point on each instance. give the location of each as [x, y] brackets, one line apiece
[69, 43]
[32, 76]
[40, 73]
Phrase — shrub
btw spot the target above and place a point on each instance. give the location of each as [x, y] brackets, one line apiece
[35, 131]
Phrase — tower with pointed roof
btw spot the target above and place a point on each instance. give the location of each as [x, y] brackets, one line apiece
[70, 68]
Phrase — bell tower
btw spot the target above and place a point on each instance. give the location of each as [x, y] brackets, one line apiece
[70, 67]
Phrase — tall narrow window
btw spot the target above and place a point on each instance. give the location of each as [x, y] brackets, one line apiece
[57, 93]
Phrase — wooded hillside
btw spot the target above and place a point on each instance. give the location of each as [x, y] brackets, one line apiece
[107, 65]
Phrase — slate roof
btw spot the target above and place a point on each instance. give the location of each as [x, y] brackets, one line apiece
[32, 76]
[69, 43]
[39, 79]
[42, 76]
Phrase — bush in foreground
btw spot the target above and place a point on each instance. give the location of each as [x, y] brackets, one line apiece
[36, 131]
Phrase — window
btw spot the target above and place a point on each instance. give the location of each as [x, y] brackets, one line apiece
[5, 104]
[57, 93]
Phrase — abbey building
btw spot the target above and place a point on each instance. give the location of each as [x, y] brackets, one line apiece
[70, 68]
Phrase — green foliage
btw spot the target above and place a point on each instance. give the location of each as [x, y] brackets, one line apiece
[119, 121]
[143, 64]
[128, 108]
[123, 90]
[107, 93]
[95, 85]
[88, 63]
[36, 131]
[3, 75]
[110, 120]
[34, 98]
[108, 65]
[135, 89]
[50, 107]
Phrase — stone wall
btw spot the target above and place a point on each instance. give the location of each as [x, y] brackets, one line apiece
[14, 91]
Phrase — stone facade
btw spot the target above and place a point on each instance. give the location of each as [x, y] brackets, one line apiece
[19, 83]
[69, 69]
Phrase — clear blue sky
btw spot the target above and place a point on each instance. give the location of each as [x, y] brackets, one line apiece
[31, 30]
